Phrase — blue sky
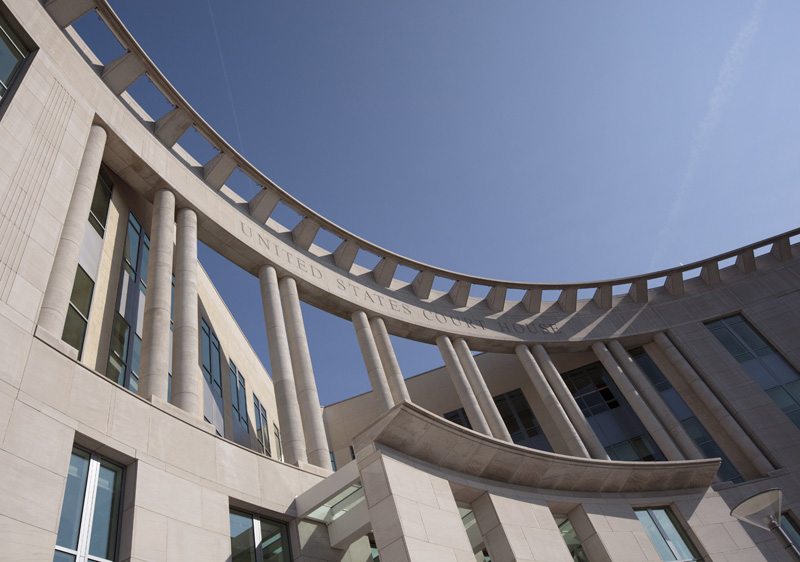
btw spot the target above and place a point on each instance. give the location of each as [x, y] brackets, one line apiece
[523, 140]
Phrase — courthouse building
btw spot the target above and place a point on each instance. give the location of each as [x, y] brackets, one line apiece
[618, 420]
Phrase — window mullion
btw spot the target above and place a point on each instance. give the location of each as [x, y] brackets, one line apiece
[257, 538]
[665, 535]
[88, 508]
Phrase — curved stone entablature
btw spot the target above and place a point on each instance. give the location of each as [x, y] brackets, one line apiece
[145, 154]
[416, 432]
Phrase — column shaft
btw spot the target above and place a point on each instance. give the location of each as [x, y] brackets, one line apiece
[372, 361]
[310, 412]
[56, 297]
[579, 421]
[154, 369]
[640, 408]
[397, 385]
[653, 398]
[280, 361]
[481, 391]
[185, 336]
[554, 408]
[461, 384]
[728, 424]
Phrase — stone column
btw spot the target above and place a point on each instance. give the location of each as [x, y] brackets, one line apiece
[185, 336]
[653, 398]
[642, 410]
[554, 408]
[154, 365]
[397, 385]
[723, 417]
[55, 301]
[461, 384]
[372, 361]
[310, 412]
[280, 361]
[482, 394]
[579, 421]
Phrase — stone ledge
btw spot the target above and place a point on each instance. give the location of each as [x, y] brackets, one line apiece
[418, 433]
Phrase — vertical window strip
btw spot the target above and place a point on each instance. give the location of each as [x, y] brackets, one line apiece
[695, 429]
[80, 301]
[761, 361]
[667, 535]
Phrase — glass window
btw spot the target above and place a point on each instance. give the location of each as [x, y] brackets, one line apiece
[126, 333]
[590, 387]
[768, 368]
[210, 360]
[790, 527]
[278, 448]
[684, 414]
[262, 427]
[238, 400]
[667, 535]
[80, 300]
[571, 539]
[518, 417]
[256, 539]
[12, 53]
[90, 511]
[333, 461]
[458, 416]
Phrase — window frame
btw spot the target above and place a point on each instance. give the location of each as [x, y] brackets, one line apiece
[682, 534]
[88, 506]
[13, 33]
[262, 426]
[258, 539]
[783, 389]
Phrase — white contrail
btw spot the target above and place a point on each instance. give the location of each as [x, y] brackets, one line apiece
[728, 76]
[228, 86]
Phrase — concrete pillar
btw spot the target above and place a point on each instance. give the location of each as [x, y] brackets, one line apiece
[185, 335]
[579, 421]
[280, 361]
[415, 515]
[397, 385]
[482, 394]
[154, 369]
[554, 408]
[518, 529]
[372, 360]
[56, 297]
[640, 408]
[656, 403]
[310, 412]
[723, 417]
[460, 382]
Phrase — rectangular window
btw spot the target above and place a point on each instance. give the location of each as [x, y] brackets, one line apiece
[210, 362]
[667, 535]
[126, 332]
[90, 512]
[238, 397]
[257, 539]
[790, 527]
[616, 424]
[333, 461]
[517, 416]
[80, 300]
[262, 427]
[768, 368]
[571, 539]
[684, 414]
[12, 53]
[278, 448]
